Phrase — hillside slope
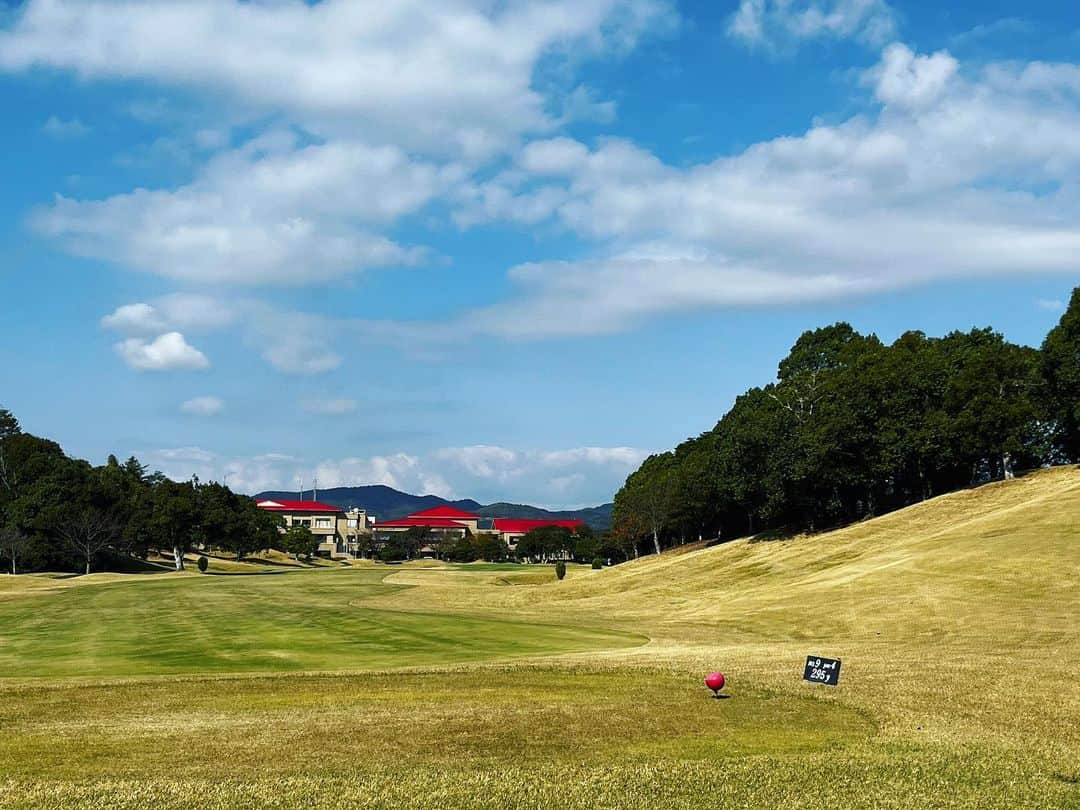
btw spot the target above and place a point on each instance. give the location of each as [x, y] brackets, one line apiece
[1011, 547]
[957, 619]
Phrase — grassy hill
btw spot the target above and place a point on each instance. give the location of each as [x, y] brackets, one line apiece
[957, 622]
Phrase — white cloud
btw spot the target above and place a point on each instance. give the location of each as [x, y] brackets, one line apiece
[778, 22]
[134, 318]
[331, 407]
[570, 477]
[242, 474]
[62, 129]
[617, 456]
[203, 406]
[381, 112]
[554, 156]
[292, 342]
[907, 79]
[400, 471]
[953, 176]
[483, 461]
[271, 211]
[1050, 304]
[532, 469]
[167, 352]
[450, 76]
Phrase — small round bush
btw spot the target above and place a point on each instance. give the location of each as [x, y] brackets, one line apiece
[597, 563]
[203, 564]
[560, 569]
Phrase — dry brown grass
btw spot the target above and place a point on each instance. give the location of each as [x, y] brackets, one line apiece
[957, 621]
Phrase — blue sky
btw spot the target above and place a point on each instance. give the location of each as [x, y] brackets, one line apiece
[503, 250]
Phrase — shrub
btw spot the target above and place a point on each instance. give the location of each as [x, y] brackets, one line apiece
[389, 554]
[560, 569]
[597, 563]
[203, 564]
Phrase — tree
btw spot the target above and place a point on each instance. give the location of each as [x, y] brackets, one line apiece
[300, 542]
[14, 543]
[1060, 366]
[650, 493]
[989, 399]
[544, 543]
[491, 548]
[89, 531]
[174, 518]
[9, 426]
[415, 538]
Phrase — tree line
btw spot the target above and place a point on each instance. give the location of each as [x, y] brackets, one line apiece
[540, 545]
[853, 428]
[60, 513]
[64, 514]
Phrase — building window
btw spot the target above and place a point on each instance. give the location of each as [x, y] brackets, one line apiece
[302, 523]
[351, 523]
[322, 523]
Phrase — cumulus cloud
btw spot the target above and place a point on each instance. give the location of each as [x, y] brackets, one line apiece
[271, 211]
[379, 112]
[203, 406]
[400, 471]
[548, 474]
[292, 342]
[563, 478]
[908, 79]
[778, 22]
[452, 76]
[249, 474]
[201, 313]
[137, 318]
[953, 176]
[167, 352]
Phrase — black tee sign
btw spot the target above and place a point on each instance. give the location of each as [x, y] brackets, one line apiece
[822, 670]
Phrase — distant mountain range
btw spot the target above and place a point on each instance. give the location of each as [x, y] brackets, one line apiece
[387, 503]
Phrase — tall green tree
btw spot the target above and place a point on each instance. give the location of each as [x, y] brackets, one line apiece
[174, 518]
[651, 494]
[1060, 361]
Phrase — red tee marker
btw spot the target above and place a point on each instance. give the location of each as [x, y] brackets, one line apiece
[715, 681]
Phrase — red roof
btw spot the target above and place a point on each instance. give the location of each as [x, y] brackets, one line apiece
[297, 506]
[413, 520]
[523, 526]
[447, 512]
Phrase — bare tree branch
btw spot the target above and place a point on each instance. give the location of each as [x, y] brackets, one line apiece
[13, 544]
[90, 531]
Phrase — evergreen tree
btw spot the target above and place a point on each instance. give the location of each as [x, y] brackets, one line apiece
[1061, 373]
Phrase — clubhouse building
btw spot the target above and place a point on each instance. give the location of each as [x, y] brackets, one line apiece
[341, 532]
[338, 530]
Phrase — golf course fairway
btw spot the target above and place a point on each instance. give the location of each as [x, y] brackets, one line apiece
[431, 685]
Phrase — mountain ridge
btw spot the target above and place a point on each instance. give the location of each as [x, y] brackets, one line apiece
[387, 503]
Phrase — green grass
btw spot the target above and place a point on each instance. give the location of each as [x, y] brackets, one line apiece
[289, 621]
[429, 685]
